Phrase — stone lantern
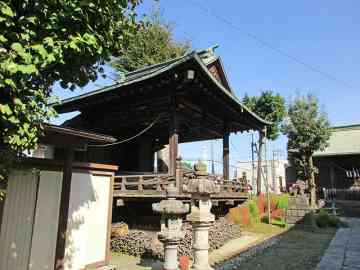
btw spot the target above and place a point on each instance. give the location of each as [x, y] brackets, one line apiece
[171, 232]
[200, 217]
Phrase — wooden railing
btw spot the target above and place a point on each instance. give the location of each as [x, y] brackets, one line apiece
[156, 182]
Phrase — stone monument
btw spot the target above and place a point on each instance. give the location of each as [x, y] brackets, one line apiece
[298, 203]
[171, 232]
[200, 217]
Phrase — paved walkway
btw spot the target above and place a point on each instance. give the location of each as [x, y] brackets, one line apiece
[343, 252]
[235, 246]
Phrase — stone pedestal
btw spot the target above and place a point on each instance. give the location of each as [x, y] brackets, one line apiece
[170, 255]
[200, 217]
[171, 232]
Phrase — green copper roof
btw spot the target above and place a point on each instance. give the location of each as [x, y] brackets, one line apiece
[344, 140]
[202, 58]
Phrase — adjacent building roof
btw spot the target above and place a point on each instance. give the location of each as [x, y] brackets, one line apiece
[64, 137]
[344, 140]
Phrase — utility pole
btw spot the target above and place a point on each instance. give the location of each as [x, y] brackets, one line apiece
[266, 178]
[212, 157]
[253, 182]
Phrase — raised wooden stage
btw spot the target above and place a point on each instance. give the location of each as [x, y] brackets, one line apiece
[153, 186]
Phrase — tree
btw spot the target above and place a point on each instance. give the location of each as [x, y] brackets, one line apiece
[153, 43]
[308, 130]
[43, 42]
[271, 107]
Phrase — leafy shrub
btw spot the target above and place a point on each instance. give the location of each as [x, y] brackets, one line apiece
[323, 219]
[234, 215]
[334, 221]
[279, 222]
[283, 201]
[278, 213]
[245, 215]
[273, 201]
[260, 201]
[254, 211]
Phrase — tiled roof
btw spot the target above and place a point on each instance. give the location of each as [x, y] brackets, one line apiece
[344, 140]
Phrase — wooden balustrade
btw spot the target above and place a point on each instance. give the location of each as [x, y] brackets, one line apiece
[142, 182]
[156, 183]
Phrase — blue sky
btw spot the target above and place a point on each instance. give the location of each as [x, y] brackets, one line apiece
[324, 34]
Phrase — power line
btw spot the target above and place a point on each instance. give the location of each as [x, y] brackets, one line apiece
[268, 45]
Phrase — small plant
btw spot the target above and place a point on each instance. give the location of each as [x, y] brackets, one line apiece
[323, 219]
[278, 222]
[334, 221]
[254, 212]
[283, 202]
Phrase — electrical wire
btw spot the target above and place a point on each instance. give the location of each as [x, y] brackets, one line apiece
[268, 45]
[128, 139]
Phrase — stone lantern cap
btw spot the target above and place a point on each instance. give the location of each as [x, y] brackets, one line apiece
[201, 186]
[171, 206]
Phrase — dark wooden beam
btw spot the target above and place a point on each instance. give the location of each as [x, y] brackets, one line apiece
[226, 164]
[173, 137]
[64, 210]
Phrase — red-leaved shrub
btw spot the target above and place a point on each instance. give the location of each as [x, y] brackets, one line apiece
[260, 201]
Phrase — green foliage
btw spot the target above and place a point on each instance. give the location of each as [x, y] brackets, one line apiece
[283, 201]
[269, 106]
[43, 42]
[278, 222]
[307, 128]
[334, 221]
[254, 211]
[151, 44]
[187, 165]
[322, 219]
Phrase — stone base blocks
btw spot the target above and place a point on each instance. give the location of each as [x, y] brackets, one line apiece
[298, 208]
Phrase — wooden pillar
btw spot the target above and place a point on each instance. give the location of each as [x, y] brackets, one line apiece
[178, 175]
[64, 210]
[332, 176]
[173, 140]
[226, 164]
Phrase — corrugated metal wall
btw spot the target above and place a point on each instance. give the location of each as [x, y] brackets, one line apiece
[18, 218]
[46, 221]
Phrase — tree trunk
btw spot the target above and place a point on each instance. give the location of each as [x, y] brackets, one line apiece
[312, 186]
[259, 168]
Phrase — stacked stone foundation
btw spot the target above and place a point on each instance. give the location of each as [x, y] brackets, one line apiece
[298, 207]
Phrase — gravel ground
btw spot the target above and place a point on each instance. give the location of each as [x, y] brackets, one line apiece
[296, 249]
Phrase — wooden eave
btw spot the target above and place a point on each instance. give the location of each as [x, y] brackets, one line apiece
[70, 137]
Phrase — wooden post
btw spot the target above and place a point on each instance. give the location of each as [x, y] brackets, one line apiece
[178, 175]
[332, 176]
[123, 183]
[64, 210]
[140, 183]
[173, 139]
[226, 164]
